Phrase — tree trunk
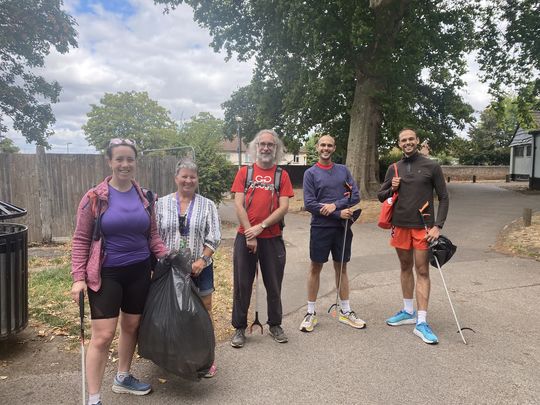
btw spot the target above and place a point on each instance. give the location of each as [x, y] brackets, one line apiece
[366, 112]
[366, 118]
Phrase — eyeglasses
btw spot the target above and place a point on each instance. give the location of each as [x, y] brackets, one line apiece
[268, 145]
[120, 141]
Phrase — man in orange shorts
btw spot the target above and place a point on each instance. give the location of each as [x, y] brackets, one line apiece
[415, 180]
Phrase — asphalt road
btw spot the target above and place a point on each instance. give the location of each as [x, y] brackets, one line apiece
[495, 295]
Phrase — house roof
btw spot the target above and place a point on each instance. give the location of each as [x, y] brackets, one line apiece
[521, 137]
[524, 136]
[232, 145]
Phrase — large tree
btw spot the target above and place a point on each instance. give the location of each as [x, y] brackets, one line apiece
[488, 141]
[510, 51]
[130, 115]
[370, 66]
[28, 31]
[204, 133]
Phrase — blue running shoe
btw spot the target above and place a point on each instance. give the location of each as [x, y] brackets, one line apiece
[424, 332]
[130, 385]
[402, 318]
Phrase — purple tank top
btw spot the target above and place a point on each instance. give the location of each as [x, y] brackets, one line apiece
[125, 226]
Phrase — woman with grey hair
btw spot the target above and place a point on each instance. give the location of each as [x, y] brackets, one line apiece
[187, 219]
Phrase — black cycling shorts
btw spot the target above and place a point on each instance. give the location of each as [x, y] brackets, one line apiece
[122, 288]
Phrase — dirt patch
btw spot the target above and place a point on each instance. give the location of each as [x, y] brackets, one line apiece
[518, 240]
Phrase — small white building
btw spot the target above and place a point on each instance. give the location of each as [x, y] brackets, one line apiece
[525, 154]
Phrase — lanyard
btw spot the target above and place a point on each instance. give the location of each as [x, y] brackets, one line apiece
[184, 220]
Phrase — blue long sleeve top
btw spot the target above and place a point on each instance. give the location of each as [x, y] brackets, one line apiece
[326, 186]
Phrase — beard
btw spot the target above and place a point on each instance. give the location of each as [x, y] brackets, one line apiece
[265, 157]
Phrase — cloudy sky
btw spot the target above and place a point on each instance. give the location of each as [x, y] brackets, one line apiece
[129, 45]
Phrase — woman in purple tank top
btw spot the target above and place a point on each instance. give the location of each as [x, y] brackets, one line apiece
[114, 238]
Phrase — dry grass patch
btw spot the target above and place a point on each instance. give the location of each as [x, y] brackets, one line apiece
[516, 239]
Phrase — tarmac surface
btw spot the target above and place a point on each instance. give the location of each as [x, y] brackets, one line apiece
[494, 294]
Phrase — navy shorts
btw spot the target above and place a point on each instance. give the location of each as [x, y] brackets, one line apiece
[205, 281]
[324, 240]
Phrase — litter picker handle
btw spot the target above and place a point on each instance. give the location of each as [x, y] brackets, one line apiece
[424, 207]
[81, 309]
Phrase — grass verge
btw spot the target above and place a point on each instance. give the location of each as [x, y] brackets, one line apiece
[53, 313]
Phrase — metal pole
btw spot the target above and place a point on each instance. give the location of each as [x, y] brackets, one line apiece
[238, 121]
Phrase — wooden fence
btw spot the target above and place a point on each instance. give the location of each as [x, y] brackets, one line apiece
[50, 186]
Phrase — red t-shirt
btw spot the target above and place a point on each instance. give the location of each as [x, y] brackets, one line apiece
[261, 196]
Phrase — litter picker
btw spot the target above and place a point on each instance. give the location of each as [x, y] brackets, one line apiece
[83, 366]
[256, 322]
[335, 306]
[431, 247]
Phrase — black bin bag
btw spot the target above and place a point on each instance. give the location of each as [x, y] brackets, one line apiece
[176, 332]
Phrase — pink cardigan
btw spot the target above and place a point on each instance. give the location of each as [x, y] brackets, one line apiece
[86, 253]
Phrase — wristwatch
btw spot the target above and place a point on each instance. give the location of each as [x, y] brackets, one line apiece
[263, 225]
[206, 260]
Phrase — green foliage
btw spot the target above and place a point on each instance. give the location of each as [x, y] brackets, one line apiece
[510, 50]
[7, 146]
[487, 143]
[28, 30]
[390, 157]
[132, 115]
[311, 150]
[311, 54]
[205, 134]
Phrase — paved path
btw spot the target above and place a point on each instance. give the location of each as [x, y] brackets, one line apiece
[495, 295]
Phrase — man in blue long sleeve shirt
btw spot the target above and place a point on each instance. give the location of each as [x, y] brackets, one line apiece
[326, 198]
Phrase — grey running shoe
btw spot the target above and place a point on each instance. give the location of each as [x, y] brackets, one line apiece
[239, 338]
[130, 385]
[277, 333]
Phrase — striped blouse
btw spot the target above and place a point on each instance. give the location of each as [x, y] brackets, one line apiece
[204, 225]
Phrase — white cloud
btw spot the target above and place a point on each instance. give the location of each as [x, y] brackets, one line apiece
[167, 55]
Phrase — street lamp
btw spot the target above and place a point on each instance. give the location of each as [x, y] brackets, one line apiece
[67, 147]
[238, 120]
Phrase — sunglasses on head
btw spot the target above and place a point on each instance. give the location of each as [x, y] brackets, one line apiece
[120, 141]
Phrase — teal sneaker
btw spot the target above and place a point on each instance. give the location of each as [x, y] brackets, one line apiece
[130, 385]
[424, 332]
[402, 318]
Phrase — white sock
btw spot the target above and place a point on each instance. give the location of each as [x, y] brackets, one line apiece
[422, 315]
[408, 305]
[311, 307]
[345, 306]
[93, 399]
[121, 375]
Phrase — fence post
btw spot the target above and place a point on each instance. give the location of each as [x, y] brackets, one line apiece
[527, 216]
[44, 195]
[474, 178]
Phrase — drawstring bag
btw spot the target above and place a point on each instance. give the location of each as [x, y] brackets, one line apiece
[176, 332]
[387, 209]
